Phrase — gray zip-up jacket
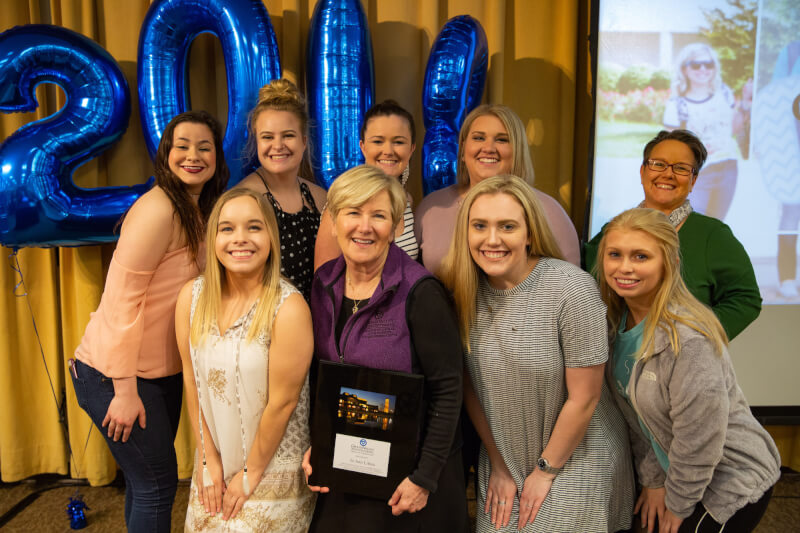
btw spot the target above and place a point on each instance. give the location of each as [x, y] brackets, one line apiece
[718, 453]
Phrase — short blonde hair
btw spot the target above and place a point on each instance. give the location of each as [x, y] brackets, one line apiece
[673, 302]
[459, 272]
[210, 298]
[522, 165]
[358, 185]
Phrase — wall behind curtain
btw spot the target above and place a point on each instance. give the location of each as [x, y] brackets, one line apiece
[538, 66]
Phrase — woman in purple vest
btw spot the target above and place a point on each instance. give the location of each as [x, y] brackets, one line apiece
[374, 306]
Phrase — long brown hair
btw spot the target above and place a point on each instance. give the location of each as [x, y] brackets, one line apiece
[192, 217]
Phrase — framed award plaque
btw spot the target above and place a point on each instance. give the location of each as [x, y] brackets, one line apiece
[365, 428]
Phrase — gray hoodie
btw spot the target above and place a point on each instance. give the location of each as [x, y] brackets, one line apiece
[718, 453]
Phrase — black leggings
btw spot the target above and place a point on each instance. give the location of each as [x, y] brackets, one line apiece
[743, 521]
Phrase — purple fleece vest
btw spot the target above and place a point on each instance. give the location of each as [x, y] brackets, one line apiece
[377, 336]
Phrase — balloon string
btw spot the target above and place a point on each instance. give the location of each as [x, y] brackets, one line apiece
[15, 266]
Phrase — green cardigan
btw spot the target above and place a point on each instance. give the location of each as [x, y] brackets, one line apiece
[715, 268]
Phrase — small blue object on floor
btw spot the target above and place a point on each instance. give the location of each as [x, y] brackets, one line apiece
[75, 507]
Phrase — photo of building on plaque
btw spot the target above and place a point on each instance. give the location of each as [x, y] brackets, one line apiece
[374, 410]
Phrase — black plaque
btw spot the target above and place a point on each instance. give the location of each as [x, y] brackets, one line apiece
[359, 412]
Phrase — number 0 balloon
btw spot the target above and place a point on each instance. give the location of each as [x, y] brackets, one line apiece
[251, 61]
[39, 203]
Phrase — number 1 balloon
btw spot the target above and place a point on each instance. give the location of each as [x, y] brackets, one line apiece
[341, 85]
[40, 205]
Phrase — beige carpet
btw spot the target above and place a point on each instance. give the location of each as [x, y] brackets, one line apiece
[47, 513]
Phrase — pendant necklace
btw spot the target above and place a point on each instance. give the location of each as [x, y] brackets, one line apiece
[356, 303]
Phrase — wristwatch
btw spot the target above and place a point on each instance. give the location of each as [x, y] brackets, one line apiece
[544, 465]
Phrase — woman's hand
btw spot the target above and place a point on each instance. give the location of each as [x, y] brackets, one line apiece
[651, 505]
[670, 523]
[534, 491]
[500, 495]
[125, 408]
[408, 497]
[307, 471]
[210, 496]
[234, 497]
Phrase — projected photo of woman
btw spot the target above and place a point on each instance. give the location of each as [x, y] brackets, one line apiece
[701, 103]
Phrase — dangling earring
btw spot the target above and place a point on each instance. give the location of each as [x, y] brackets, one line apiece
[404, 175]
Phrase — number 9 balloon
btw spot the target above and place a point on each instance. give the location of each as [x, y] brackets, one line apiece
[251, 61]
[453, 86]
[39, 203]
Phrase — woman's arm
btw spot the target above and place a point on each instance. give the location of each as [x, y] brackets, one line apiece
[698, 410]
[584, 386]
[582, 335]
[146, 235]
[209, 491]
[326, 247]
[502, 487]
[735, 297]
[436, 342]
[290, 351]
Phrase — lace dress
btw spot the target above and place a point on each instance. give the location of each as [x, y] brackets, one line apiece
[281, 501]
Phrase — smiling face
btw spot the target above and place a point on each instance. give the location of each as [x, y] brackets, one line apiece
[487, 149]
[498, 239]
[280, 142]
[242, 244]
[387, 144]
[666, 191]
[364, 233]
[193, 157]
[700, 70]
[633, 264]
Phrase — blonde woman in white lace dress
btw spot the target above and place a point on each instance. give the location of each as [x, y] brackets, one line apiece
[246, 343]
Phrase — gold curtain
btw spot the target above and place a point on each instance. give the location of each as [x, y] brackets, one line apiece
[538, 66]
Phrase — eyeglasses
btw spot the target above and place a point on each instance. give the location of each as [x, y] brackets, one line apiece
[697, 65]
[681, 169]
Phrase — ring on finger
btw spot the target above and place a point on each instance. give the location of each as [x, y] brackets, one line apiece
[503, 502]
[527, 506]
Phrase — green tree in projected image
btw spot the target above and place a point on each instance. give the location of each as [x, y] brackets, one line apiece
[733, 37]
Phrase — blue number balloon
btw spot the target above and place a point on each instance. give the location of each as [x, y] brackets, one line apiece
[251, 61]
[341, 85]
[453, 86]
[39, 203]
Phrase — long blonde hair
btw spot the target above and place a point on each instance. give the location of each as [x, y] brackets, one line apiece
[210, 298]
[459, 272]
[521, 164]
[673, 302]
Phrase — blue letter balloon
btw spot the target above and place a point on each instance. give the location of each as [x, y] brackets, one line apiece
[453, 86]
[341, 85]
[251, 60]
[39, 203]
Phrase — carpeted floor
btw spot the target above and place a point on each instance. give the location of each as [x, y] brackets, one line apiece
[40, 508]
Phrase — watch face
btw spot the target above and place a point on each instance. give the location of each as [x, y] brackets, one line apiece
[542, 463]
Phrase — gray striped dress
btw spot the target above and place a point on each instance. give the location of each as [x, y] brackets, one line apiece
[522, 341]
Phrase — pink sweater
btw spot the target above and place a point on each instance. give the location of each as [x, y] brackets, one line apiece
[435, 223]
[132, 333]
